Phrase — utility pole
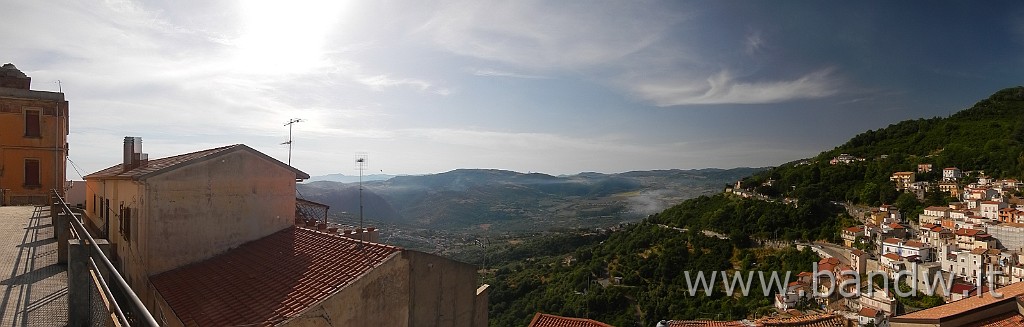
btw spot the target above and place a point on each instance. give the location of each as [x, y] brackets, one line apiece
[289, 143]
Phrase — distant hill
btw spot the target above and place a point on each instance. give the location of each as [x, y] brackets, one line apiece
[342, 178]
[520, 201]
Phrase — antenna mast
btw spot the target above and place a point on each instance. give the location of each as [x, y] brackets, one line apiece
[361, 161]
[289, 143]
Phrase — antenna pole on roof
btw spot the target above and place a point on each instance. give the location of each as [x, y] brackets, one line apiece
[361, 160]
[289, 143]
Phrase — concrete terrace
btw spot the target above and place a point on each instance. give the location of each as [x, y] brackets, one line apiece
[35, 287]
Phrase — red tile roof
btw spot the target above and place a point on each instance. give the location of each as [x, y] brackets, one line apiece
[967, 232]
[854, 229]
[868, 312]
[965, 305]
[915, 244]
[1009, 319]
[156, 166]
[815, 320]
[269, 280]
[830, 260]
[893, 256]
[546, 320]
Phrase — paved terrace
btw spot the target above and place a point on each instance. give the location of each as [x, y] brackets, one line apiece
[35, 287]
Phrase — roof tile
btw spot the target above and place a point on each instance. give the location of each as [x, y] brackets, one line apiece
[546, 320]
[242, 287]
[953, 308]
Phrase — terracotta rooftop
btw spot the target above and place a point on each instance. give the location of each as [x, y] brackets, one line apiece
[269, 280]
[854, 229]
[156, 166]
[952, 309]
[830, 260]
[868, 312]
[892, 240]
[546, 320]
[893, 256]
[815, 320]
[913, 243]
[967, 232]
[1009, 319]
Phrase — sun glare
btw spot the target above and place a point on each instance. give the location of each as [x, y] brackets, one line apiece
[285, 36]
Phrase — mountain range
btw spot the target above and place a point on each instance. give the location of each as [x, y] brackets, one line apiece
[500, 199]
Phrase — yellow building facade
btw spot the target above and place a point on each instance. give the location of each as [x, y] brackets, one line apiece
[33, 140]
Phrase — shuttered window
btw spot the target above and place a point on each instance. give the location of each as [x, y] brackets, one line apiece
[32, 123]
[126, 222]
[32, 173]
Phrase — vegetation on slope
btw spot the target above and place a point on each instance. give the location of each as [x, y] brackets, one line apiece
[988, 137]
[651, 257]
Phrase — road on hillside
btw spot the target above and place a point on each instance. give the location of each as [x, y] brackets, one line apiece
[836, 251]
[705, 232]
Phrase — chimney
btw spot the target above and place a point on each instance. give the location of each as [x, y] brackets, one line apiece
[133, 156]
[129, 149]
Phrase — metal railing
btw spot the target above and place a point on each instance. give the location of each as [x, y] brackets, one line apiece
[144, 318]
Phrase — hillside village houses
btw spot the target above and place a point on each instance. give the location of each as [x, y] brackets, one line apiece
[209, 238]
[977, 240]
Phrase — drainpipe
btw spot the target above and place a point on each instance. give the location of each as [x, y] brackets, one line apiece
[56, 154]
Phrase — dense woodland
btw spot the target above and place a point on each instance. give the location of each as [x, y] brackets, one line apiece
[575, 274]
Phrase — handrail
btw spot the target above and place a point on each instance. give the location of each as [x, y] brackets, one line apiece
[109, 294]
[147, 317]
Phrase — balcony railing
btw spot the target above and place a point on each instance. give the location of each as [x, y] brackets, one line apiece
[89, 266]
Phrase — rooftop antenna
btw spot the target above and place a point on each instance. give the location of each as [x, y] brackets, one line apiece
[361, 161]
[289, 143]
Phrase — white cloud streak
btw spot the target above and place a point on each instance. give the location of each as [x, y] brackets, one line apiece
[724, 88]
[500, 73]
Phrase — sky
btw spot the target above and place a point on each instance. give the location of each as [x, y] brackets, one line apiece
[557, 87]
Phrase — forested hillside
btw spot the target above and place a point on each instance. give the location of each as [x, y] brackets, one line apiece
[986, 138]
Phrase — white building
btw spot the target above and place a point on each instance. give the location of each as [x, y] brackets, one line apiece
[951, 174]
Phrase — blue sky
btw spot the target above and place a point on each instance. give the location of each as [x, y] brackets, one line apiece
[557, 87]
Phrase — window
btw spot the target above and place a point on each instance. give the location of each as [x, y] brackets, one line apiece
[32, 123]
[32, 173]
[126, 222]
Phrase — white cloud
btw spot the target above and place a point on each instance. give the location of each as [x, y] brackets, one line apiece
[754, 43]
[381, 82]
[500, 73]
[724, 88]
[548, 35]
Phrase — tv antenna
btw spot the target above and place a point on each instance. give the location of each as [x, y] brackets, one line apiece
[361, 161]
[289, 143]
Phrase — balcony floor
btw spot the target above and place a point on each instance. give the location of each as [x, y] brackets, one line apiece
[35, 287]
